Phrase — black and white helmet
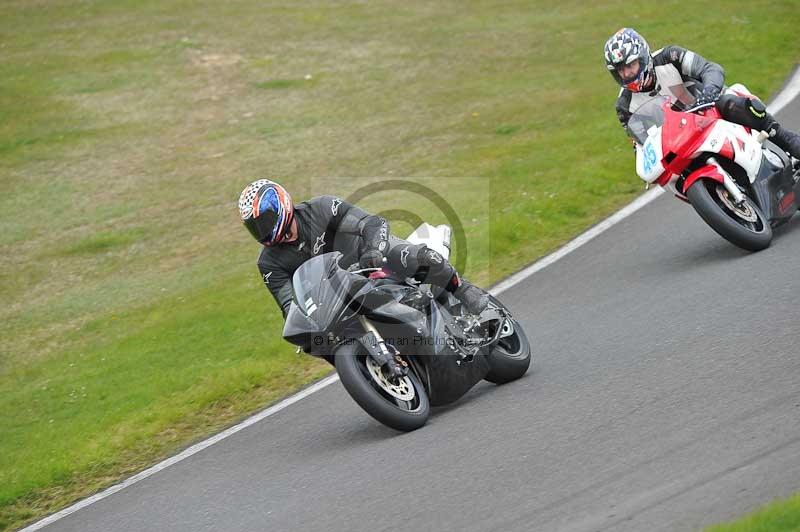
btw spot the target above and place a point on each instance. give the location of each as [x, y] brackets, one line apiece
[623, 48]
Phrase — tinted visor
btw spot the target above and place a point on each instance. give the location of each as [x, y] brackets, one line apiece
[261, 227]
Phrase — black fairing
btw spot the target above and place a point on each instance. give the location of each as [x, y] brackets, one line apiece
[772, 184]
[299, 329]
[384, 303]
[321, 290]
[327, 300]
[449, 377]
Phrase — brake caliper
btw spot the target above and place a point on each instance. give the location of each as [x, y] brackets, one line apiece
[392, 366]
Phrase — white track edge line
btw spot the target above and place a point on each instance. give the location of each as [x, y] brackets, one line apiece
[585, 237]
[194, 449]
[789, 93]
[577, 242]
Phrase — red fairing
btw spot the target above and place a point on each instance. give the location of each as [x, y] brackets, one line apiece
[683, 134]
[787, 202]
[664, 179]
[727, 150]
[709, 171]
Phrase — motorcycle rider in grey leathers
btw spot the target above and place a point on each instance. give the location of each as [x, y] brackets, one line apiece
[688, 77]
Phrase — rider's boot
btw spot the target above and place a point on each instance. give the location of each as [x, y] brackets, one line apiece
[752, 112]
[472, 297]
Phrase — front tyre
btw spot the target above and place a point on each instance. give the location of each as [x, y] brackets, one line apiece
[744, 226]
[510, 357]
[402, 406]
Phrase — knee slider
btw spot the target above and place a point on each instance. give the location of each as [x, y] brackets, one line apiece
[757, 108]
[749, 112]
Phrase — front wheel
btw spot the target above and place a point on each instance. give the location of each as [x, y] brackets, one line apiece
[402, 405]
[511, 355]
[742, 225]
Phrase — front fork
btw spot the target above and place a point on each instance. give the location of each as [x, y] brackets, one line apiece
[385, 355]
[728, 182]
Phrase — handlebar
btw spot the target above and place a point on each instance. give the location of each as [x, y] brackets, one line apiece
[355, 268]
[700, 107]
[364, 270]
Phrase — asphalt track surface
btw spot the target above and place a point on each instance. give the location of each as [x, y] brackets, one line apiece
[665, 395]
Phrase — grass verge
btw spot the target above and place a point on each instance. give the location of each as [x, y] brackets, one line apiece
[779, 516]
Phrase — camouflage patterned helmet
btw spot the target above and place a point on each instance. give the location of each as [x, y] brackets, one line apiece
[623, 48]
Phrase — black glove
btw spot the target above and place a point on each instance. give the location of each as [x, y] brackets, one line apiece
[708, 95]
[371, 259]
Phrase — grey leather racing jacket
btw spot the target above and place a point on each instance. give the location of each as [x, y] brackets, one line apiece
[679, 73]
[324, 224]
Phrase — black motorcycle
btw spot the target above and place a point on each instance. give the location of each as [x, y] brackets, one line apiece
[400, 347]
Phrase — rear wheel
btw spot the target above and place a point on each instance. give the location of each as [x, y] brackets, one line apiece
[742, 225]
[511, 356]
[401, 405]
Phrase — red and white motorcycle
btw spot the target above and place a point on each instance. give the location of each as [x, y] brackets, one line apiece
[739, 182]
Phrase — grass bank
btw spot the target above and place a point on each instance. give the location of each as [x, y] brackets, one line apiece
[779, 516]
[133, 320]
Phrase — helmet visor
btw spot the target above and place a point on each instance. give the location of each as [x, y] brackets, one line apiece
[261, 226]
[629, 72]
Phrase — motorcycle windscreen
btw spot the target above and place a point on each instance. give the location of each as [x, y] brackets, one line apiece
[645, 117]
[321, 289]
[672, 85]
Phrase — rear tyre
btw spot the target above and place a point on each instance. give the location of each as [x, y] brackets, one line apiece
[402, 406]
[744, 226]
[511, 356]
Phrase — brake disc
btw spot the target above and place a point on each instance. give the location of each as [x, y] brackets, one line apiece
[744, 211]
[403, 389]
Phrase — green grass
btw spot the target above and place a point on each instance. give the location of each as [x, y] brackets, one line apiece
[133, 321]
[779, 516]
[283, 83]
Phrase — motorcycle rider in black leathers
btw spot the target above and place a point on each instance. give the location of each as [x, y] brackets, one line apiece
[292, 234]
[684, 75]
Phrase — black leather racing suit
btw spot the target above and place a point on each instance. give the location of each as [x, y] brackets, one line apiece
[683, 74]
[328, 223]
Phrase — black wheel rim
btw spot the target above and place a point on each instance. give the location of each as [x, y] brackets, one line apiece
[510, 345]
